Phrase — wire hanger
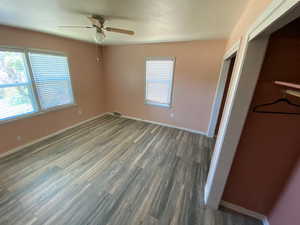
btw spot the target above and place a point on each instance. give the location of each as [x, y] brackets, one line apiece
[257, 108]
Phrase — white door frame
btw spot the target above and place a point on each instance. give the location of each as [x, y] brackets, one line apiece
[244, 79]
[221, 88]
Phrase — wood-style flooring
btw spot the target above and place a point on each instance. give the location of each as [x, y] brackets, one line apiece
[112, 171]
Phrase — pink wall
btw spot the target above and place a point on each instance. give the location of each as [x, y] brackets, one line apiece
[87, 83]
[195, 80]
[269, 146]
[287, 209]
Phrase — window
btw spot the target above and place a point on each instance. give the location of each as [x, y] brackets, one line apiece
[16, 95]
[32, 82]
[159, 81]
[52, 79]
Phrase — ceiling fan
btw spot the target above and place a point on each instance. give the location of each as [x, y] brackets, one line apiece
[98, 23]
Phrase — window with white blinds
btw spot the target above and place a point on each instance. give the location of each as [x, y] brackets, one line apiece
[159, 81]
[33, 82]
[52, 79]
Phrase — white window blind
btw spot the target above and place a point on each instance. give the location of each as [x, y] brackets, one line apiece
[159, 81]
[52, 79]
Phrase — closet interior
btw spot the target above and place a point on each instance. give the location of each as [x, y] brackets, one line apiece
[269, 148]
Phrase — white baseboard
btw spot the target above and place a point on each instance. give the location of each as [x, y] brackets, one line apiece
[14, 150]
[166, 125]
[245, 211]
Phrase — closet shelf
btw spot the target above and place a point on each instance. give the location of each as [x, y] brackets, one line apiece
[293, 92]
[288, 84]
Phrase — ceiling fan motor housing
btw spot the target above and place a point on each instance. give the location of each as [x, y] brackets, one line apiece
[100, 19]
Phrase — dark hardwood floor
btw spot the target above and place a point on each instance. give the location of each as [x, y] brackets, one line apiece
[112, 171]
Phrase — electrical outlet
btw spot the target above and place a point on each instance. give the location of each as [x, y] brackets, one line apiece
[79, 112]
[172, 115]
[19, 138]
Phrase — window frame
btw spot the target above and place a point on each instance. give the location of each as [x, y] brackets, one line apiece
[159, 58]
[31, 83]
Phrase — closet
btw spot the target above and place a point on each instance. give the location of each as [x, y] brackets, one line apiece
[269, 147]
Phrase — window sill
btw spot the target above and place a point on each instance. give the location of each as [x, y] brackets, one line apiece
[157, 104]
[33, 114]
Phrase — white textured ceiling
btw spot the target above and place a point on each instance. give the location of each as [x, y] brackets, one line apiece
[152, 20]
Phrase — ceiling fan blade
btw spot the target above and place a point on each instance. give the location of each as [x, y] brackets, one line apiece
[118, 30]
[79, 26]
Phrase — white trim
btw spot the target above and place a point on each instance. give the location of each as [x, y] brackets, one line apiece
[214, 115]
[19, 148]
[267, 22]
[245, 76]
[165, 125]
[166, 105]
[37, 113]
[14, 85]
[245, 211]
[232, 51]
[28, 49]
[265, 221]
[235, 112]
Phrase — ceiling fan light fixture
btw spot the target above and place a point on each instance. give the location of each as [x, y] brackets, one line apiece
[99, 37]
[97, 22]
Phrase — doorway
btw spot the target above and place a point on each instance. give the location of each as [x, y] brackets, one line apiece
[271, 130]
[222, 90]
[225, 93]
[244, 80]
